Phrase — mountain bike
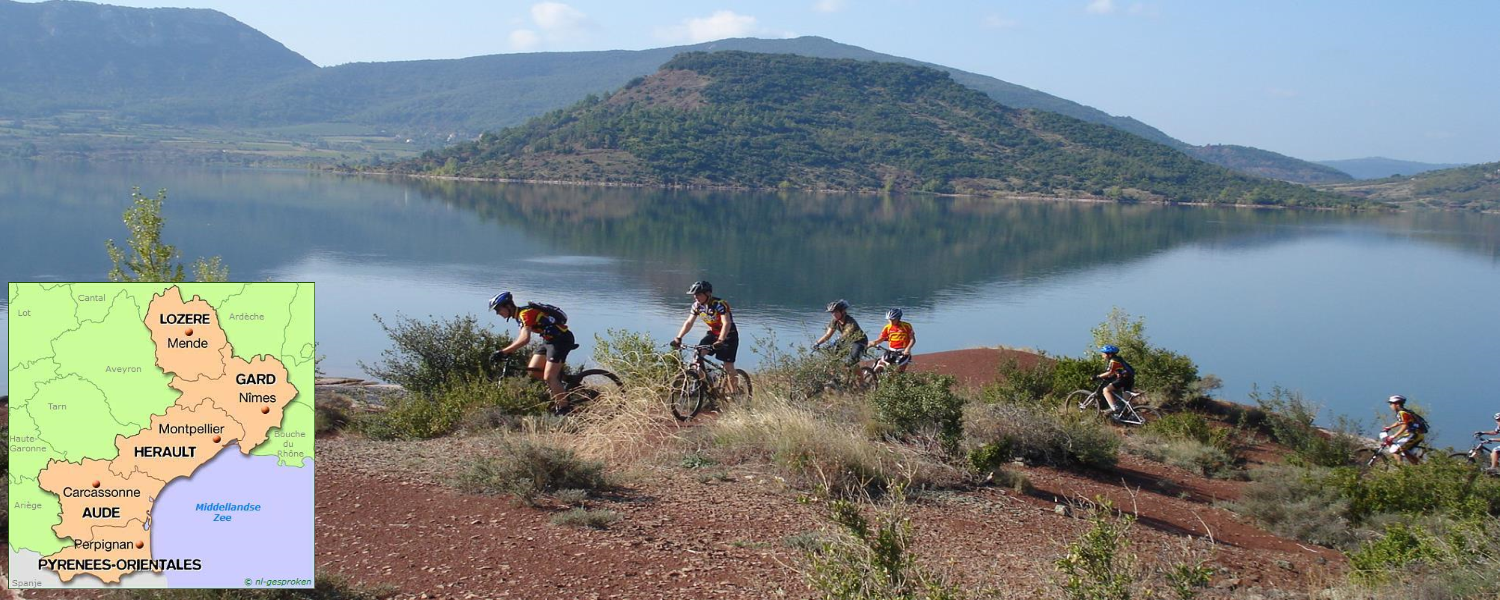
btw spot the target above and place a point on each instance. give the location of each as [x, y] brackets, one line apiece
[703, 381]
[831, 373]
[1382, 455]
[579, 388]
[1132, 412]
[869, 377]
[1479, 455]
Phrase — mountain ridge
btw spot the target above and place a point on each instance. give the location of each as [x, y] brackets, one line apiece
[1380, 167]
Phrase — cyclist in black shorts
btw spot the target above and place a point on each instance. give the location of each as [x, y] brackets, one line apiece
[557, 341]
[722, 333]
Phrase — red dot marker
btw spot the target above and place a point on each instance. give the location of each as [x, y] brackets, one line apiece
[216, 439]
[190, 332]
[265, 410]
[96, 483]
[139, 545]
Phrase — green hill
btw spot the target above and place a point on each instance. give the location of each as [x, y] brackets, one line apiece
[1475, 187]
[75, 55]
[767, 120]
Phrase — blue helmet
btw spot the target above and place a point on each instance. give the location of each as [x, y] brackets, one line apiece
[1110, 349]
[893, 314]
[500, 298]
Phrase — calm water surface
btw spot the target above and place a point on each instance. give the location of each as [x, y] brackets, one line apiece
[1345, 308]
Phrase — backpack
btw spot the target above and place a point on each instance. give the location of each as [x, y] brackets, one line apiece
[1129, 370]
[1418, 424]
[556, 313]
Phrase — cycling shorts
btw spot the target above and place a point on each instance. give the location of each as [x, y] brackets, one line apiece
[556, 349]
[728, 351]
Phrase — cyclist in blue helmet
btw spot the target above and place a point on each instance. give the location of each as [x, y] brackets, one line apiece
[550, 358]
[1118, 375]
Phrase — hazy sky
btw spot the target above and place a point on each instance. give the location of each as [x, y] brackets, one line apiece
[1316, 80]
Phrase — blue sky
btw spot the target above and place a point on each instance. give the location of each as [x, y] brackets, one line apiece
[1316, 80]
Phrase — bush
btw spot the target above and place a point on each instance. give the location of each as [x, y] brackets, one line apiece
[636, 357]
[1289, 420]
[1070, 374]
[429, 354]
[1017, 384]
[1447, 560]
[1438, 486]
[583, 517]
[528, 468]
[1298, 503]
[819, 453]
[1098, 565]
[1192, 455]
[472, 401]
[998, 433]
[331, 415]
[871, 560]
[921, 404]
[1191, 427]
[801, 372]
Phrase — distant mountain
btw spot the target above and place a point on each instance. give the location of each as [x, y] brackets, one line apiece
[1265, 163]
[775, 120]
[1377, 167]
[75, 55]
[1475, 187]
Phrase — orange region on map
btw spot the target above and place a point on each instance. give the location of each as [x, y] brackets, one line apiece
[177, 442]
[110, 553]
[235, 399]
[189, 341]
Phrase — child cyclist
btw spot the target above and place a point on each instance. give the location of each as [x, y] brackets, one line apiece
[1118, 375]
[901, 337]
[1409, 428]
[852, 339]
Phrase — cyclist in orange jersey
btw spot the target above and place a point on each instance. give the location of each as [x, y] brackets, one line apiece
[901, 337]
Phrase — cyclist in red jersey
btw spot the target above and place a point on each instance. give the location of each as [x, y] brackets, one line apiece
[722, 333]
[901, 337]
[550, 358]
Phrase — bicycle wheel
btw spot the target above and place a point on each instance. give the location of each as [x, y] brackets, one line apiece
[1139, 415]
[1463, 456]
[1084, 400]
[868, 378]
[1368, 459]
[589, 384]
[742, 387]
[687, 395]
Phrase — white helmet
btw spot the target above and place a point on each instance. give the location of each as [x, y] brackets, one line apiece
[1397, 399]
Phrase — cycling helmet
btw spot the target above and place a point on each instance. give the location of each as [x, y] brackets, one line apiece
[498, 299]
[1110, 349]
[1397, 399]
[893, 314]
[839, 304]
[1497, 416]
[701, 286]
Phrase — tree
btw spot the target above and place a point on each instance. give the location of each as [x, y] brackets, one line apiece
[153, 260]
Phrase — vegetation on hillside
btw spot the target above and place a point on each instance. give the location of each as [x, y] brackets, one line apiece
[1475, 187]
[769, 121]
[1265, 163]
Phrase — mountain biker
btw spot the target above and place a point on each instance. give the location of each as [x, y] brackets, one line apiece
[557, 341]
[1410, 429]
[1494, 454]
[851, 337]
[899, 333]
[1118, 376]
[722, 333]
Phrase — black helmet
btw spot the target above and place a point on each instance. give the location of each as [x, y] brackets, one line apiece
[701, 286]
[839, 304]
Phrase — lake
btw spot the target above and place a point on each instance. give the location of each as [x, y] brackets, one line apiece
[1346, 308]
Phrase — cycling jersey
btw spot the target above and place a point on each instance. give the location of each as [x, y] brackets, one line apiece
[1414, 423]
[899, 335]
[849, 330]
[713, 313]
[1119, 368]
[538, 321]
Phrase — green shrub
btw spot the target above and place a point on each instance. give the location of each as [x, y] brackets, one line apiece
[477, 402]
[1298, 503]
[1438, 486]
[426, 355]
[1396, 547]
[801, 372]
[998, 433]
[1169, 376]
[583, 517]
[1020, 384]
[1429, 559]
[1191, 426]
[332, 414]
[1098, 565]
[921, 403]
[528, 468]
[1190, 454]
[636, 357]
[1289, 419]
[871, 560]
[1070, 373]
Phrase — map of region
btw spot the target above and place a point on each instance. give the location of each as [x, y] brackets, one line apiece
[160, 435]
